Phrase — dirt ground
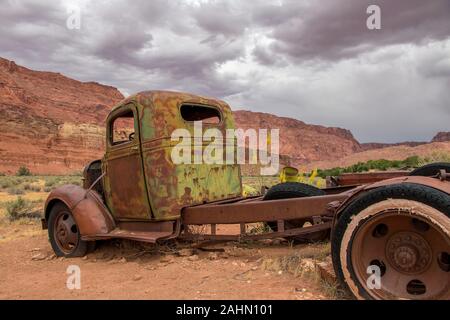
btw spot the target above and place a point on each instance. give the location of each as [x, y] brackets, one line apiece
[127, 270]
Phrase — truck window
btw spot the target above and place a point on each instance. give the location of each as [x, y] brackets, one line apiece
[207, 115]
[122, 128]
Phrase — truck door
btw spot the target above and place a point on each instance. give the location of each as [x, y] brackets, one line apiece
[125, 188]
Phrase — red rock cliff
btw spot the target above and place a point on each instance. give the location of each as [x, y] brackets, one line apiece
[54, 124]
[441, 137]
[48, 122]
[302, 142]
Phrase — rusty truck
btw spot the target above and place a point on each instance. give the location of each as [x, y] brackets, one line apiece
[396, 222]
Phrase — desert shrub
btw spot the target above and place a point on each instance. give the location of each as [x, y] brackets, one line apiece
[20, 208]
[28, 179]
[5, 184]
[51, 182]
[31, 187]
[71, 180]
[412, 162]
[15, 191]
[435, 157]
[376, 165]
[23, 171]
[35, 188]
[47, 189]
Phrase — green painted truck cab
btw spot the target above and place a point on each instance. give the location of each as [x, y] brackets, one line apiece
[141, 182]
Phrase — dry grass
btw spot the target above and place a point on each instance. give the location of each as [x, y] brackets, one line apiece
[258, 228]
[332, 290]
[33, 190]
[22, 208]
[302, 263]
[298, 263]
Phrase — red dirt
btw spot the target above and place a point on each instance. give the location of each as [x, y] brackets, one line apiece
[116, 270]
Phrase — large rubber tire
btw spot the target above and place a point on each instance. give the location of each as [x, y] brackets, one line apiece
[292, 190]
[361, 211]
[296, 190]
[431, 169]
[77, 248]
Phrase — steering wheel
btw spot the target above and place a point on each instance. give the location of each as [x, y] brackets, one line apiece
[131, 136]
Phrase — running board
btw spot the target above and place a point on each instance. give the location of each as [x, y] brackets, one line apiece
[144, 236]
[150, 232]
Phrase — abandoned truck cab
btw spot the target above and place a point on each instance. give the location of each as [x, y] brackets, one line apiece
[141, 181]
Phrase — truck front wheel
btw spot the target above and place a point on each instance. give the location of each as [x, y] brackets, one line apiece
[393, 242]
[64, 234]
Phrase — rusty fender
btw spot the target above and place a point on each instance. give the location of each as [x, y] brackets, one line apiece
[89, 212]
[435, 183]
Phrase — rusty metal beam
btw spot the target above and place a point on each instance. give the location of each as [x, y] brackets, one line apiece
[267, 235]
[259, 211]
[350, 179]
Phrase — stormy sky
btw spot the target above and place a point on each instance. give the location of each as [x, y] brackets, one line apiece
[313, 60]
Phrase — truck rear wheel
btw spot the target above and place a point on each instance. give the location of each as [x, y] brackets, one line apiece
[64, 234]
[431, 169]
[296, 190]
[394, 243]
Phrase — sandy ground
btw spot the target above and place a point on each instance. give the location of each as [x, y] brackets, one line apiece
[125, 270]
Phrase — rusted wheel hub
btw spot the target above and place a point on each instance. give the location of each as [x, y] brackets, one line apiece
[408, 252]
[66, 232]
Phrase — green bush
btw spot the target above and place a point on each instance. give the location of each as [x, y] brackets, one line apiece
[23, 171]
[412, 162]
[20, 208]
[377, 165]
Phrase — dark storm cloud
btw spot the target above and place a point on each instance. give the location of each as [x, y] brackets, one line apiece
[119, 33]
[337, 29]
[129, 36]
[29, 12]
[32, 29]
[313, 60]
[221, 19]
